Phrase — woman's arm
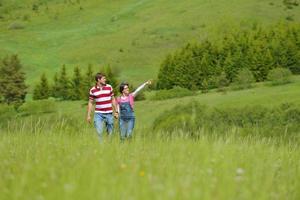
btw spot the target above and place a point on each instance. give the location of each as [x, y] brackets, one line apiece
[140, 88]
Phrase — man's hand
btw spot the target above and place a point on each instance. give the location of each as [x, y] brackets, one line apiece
[148, 82]
[116, 115]
[88, 119]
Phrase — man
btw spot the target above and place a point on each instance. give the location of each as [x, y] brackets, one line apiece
[102, 94]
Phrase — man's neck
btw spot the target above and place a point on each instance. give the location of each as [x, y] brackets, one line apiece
[100, 85]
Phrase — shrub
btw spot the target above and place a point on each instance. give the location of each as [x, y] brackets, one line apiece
[140, 96]
[279, 76]
[182, 117]
[38, 107]
[244, 79]
[290, 18]
[172, 93]
[222, 82]
[7, 112]
[250, 120]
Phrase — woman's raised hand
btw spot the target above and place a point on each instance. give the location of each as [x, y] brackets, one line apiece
[149, 82]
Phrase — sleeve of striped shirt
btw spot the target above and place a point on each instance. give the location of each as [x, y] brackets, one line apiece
[91, 97]
[112, 91]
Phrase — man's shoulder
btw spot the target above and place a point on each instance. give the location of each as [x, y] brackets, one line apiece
[93, 89]
[108, 86]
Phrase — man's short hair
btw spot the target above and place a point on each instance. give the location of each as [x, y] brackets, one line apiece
[99, 76]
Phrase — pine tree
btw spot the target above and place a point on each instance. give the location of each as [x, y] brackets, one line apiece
[76, 85]
[42, 90]
[12, 81]
[110, 77]
[64, 84]
[268, 64]
[293, 56]
[222, 82]
[229, 67]
[183, 73]
[165, 74]
[88, 81]
[261, 61]
[205, 68]
[55, 87]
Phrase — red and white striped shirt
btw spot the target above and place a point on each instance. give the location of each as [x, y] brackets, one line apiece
[103, 98]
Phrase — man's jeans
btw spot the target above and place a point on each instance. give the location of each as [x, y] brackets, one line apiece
[100, 119]
[126, 127]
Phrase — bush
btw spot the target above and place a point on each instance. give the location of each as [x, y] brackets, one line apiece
[38, 107]
[250, 120]
[221, 82]
[7, 112]
[175, 92]
[279, 76]
[244, 79]
[140, 96]
[186, 118]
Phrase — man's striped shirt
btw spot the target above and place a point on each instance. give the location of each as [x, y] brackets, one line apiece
[103, 98]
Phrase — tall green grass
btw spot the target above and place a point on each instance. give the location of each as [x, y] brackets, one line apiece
[56, 155]
[63, 166]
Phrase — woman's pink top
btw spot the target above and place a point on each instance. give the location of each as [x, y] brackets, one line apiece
[129, 98]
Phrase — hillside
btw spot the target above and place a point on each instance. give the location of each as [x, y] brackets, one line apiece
[132, 36]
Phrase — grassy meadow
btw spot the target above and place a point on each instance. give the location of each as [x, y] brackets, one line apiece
[60, 166]
[56, 155]
[49, 151]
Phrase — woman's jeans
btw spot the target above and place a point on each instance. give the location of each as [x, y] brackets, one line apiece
[126, 127]
[126, 120]
[100, 119]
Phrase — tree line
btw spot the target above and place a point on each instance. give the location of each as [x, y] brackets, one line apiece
[75, 87]
[13, 88]
[212, 62]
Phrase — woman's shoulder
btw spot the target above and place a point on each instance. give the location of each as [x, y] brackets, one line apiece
[122, 98]
[131, 95]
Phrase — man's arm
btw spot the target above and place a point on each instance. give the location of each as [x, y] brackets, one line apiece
[89, 110]
[115, 107]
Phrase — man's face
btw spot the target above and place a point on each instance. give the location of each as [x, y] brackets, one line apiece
[102, 80]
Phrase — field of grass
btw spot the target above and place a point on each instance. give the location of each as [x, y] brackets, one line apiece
[50, 152]
[132, 35]
[63, 166]
[62, 159]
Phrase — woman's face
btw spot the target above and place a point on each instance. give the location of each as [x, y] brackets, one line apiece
[126, 90]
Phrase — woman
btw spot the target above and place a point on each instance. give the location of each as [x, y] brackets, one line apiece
[125, 108]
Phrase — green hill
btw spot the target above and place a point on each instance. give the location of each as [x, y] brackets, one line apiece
[132, 36]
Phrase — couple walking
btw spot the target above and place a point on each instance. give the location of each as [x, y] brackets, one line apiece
[108, 107]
